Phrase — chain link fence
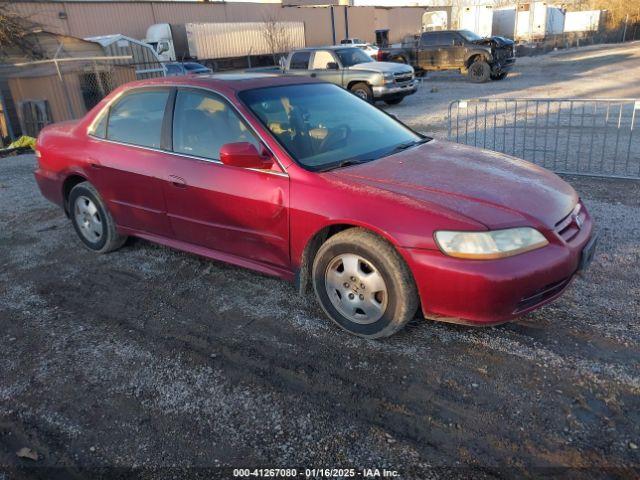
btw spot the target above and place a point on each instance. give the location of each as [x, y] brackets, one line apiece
[574, 136]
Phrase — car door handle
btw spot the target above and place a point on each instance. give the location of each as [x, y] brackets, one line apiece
[178, 182]
[314, 75]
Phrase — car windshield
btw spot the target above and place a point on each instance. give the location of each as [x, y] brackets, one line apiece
[469, 36]
[352, 56]
[323, 126]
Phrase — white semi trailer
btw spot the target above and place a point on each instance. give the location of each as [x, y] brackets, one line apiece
[210, 42]
[528, 21]
[477, 18]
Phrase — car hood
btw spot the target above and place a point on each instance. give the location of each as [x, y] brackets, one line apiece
[491, 188]
[383, 67]
[496, 41]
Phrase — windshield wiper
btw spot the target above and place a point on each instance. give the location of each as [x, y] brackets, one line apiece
[344, 163]
[405, 145]
[398, 148]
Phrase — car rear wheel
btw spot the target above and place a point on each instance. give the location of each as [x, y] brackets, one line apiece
[479, 71]
[499, 76]
[363, 284]
[363, 91]
[92, 221]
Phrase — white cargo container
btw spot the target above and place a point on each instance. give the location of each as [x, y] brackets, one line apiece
[211, 41]
[555, 20]
[528, 21]
[477, 18]
[588, 21]
[436, 20]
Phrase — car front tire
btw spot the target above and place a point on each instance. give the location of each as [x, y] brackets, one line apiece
[363, 91]
[92, 221]
[363, 284]
[479, 71]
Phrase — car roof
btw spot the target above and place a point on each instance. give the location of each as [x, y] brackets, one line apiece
[443, 31]
[327, 47]
[228, 83]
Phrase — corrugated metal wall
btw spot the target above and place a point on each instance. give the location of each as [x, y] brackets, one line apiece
[85, 19]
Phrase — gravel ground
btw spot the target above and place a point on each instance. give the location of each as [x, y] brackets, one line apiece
[158, 360]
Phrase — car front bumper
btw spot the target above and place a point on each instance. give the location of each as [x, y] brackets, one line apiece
[503, 66]
[488, 292]
[393, 91]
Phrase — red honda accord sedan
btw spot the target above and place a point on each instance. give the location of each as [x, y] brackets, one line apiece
[305, 181]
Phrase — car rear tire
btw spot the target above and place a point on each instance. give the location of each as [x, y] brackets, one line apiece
[92, 221]
[479, 71]
[499, 76]
[394, 101]
[363, 284]
[363, 91]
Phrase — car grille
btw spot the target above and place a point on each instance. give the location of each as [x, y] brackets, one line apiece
[541, 295]
[569, 227]
[403, 77]
[504, 53]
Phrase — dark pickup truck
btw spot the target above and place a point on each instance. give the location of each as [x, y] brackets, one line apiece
[481, 59]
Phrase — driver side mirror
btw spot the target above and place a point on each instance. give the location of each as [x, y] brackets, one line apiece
[332, 66]
[244, 155]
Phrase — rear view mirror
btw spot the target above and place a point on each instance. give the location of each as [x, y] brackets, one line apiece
[244, 155]
[332, 66]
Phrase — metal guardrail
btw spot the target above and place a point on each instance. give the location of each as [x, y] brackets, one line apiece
[573, 136]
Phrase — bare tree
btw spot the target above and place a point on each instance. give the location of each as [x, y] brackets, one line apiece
[276, 35]
[15, 30]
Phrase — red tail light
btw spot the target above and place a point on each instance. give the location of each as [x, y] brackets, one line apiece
[380, 55]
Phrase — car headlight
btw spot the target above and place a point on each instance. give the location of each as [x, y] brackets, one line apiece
[388, 77]
[490, 245]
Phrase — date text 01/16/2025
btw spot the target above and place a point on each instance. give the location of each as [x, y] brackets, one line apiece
[315, 473]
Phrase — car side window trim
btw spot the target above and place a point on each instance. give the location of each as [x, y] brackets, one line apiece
[282, 172]
[166, 137]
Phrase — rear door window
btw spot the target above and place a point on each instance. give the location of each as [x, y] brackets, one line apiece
[137, 118]
[300, 61]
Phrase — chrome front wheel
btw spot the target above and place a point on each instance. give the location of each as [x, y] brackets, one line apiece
[356, 288]
[363, 284]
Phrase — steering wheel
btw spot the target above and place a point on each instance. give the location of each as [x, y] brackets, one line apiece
[335, 137]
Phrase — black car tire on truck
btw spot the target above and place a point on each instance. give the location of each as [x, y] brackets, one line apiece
[479, 71]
